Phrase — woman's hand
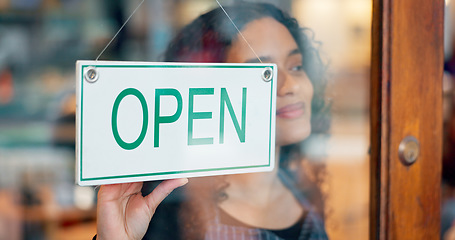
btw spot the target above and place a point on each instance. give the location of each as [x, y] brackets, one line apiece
[122, 211]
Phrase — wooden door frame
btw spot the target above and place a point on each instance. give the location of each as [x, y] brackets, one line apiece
[406, 99]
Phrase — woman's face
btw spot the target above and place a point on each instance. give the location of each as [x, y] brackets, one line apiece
[273, 43]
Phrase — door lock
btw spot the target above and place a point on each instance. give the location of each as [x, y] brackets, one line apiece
[409, 150]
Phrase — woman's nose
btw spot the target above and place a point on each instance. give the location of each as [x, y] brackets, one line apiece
[287, 84]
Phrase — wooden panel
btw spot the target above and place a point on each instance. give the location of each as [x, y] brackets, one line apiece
[407, 60]
[379, 186]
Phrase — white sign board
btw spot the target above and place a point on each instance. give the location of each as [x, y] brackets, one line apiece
[139, 121]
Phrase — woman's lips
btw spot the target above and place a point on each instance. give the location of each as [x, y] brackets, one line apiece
[291, 111]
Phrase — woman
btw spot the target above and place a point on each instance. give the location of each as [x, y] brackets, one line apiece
[250, 206]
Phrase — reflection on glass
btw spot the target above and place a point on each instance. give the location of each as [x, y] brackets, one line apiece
[304, 157]
[322, 126]
[260, 205]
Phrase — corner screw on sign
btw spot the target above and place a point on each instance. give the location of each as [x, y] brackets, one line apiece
[267, 74]
[91, 74]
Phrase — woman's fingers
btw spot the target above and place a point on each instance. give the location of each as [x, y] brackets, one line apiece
[116, 191]
[162, 191]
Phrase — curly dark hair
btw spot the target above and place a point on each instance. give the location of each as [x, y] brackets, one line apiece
[208, 39]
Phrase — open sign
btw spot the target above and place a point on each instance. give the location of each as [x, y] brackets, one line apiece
[140, 121]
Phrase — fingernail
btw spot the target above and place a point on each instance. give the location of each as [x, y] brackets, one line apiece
[184, 181]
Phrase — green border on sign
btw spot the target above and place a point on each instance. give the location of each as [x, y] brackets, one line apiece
[168, 66]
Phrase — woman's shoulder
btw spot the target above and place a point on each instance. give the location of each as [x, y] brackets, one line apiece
[313, 227]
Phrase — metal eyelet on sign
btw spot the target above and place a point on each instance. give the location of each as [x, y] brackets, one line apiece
[267, 74]
[91, 75]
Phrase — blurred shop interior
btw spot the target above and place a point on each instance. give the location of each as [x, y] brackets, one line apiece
[40, 41]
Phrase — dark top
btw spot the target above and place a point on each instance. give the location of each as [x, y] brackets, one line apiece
[166, 223]
[289, 233]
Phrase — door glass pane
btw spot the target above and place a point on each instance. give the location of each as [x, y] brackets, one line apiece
[322, 49]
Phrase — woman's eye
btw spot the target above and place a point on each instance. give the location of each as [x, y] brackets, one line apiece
[297, 68]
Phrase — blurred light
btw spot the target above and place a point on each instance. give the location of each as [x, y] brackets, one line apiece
[447, 2]
[84, 197]
[348, 147]
[6, 87]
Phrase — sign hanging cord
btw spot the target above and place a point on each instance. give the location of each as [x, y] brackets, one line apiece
[128, 19]
[230, 19]
[140, 4]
